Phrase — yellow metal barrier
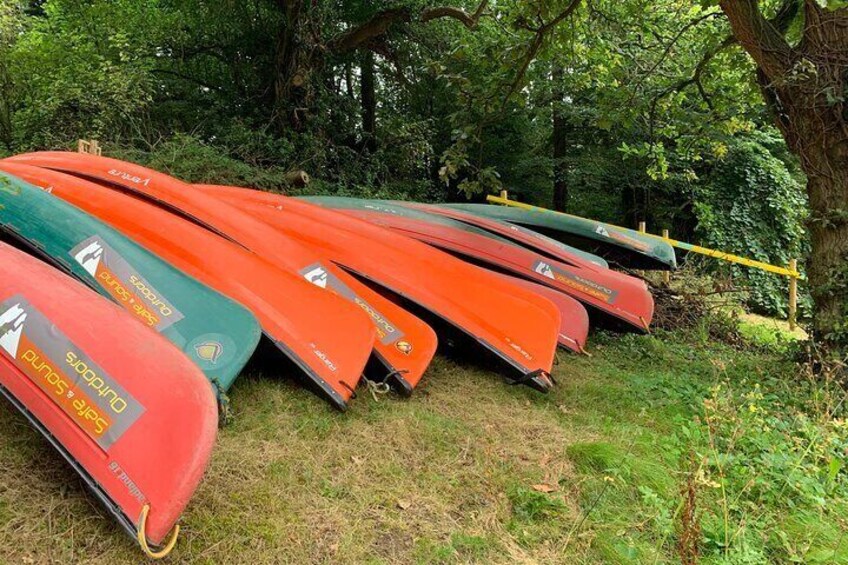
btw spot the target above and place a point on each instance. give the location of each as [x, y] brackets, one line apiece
[792, 272]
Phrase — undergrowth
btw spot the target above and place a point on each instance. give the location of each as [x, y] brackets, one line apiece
[752, 469]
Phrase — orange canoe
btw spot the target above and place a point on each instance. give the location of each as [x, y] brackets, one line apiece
[341, 239]
[293, 313]
[519, 327]
[405, 345]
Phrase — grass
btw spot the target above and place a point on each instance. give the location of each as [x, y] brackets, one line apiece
[473, 470]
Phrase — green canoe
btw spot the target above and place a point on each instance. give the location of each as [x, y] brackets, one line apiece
[625, 247]
[218, 334]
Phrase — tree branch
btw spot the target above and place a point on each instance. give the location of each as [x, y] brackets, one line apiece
[667, 50]
[758, 36]
[781, 21]
[362, 34]
[468, 20]
[541, 32]
[380, 23]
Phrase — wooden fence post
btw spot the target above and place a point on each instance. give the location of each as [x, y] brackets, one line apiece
[666, 274]
[91, 146]
[793, 295]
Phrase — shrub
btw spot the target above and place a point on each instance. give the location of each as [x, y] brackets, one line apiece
[751, 205]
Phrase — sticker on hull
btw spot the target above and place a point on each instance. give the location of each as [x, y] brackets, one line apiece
[92, 399]
[622, 238]
[387, 332]
[576, 282]
[124, 284]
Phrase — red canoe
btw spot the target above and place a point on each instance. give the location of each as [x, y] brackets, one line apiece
[292, 312]
[604, 292]
[341, 237]
[405, 344]
[128, 411]
[574, 328]
[520, 328]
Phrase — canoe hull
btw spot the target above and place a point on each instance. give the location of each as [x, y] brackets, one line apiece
[611, 297]
[106, 391]
[465, 297]
[519, 235]
[263, 240]
[228, 222]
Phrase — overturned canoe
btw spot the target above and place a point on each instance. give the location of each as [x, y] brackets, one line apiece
[625, 247]
[293, 313]
[610, 296]
[130, 413]
[397, 261]
[218, 334]
[179, 198]
[574, 324]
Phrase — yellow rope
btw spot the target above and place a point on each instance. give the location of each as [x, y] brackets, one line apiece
[142, 537]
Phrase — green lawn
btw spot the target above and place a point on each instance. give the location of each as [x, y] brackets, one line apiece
[473, 470]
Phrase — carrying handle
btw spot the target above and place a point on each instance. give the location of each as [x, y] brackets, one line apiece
[141, 536]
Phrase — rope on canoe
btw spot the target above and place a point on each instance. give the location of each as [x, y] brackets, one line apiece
[378, 388]
[225, 413]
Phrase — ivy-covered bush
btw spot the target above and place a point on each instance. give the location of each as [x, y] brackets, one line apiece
[752, 205]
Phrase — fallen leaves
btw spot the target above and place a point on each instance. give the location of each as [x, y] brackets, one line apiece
[542, 487]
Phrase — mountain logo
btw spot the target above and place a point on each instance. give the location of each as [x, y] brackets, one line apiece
[11, 329]
[317, 276]
[89, 257]
[544, 269]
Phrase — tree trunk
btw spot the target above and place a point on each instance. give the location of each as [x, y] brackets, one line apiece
[804, 87]
[819, 134]
[369, 102]
[292, 69]
[814, 123]
[828, 266]
[5, 108]
[561, 138]
[349, 80]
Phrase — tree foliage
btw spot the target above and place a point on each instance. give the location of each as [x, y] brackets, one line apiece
[624, 111]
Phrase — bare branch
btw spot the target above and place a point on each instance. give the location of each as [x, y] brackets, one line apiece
[380, 23]
[468, 20]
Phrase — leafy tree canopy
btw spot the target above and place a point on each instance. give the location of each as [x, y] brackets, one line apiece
[621, 110]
